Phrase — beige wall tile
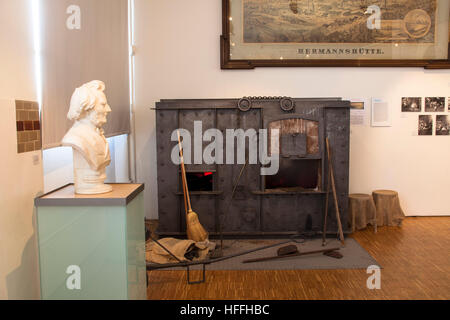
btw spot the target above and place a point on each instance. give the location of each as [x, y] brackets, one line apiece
[37, 145]
[19, 105]
[20, 147]
[33, 115]
[22, 137]
[27, 105]
[29, 146]
[22, 115]
[32, 135]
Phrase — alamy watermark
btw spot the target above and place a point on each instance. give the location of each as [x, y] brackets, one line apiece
[374, 281]
[73, 22]
[73, 282]
[235, 151]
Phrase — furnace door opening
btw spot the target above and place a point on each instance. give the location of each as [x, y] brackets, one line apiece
[296, 175]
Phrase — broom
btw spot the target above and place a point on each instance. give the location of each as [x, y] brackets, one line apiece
[194, 229]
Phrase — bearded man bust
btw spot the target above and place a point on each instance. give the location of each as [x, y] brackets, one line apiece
[89, 108]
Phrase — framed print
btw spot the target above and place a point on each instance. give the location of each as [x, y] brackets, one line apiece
[442, 125]
[411, 104]
[425, 125]
[357, 112]
[434, 104]
[335, 33]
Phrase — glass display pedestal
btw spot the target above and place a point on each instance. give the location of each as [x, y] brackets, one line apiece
[92, 246]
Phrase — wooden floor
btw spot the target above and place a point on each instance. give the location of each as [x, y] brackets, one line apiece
[415, 259]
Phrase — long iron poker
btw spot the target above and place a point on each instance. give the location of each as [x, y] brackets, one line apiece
[229, 205]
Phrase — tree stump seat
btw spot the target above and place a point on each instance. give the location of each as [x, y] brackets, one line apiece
[362, 211]
[389, 211]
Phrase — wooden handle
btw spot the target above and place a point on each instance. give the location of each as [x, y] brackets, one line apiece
[184, 194]
[333, 187]
[183, 174]
[324, 234]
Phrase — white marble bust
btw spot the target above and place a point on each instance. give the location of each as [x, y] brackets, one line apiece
[89, 108]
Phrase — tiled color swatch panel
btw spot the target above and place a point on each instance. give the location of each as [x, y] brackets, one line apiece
[28, 126]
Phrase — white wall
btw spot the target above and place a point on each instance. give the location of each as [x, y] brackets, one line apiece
[58, 168]
[21, 178]
[177, 56]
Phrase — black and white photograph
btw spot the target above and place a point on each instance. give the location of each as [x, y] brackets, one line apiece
[411, 104]
[425, 125]
[434, 104]
[442, 125]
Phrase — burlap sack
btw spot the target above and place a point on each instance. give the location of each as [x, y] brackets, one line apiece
[179, 248]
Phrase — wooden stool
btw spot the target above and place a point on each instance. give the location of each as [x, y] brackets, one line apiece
[362, 211]
[389, 212]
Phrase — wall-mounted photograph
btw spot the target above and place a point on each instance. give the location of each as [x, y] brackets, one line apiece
[442, 125]
[434, 104]
[411, 104]
[425, 125]
[358, 105]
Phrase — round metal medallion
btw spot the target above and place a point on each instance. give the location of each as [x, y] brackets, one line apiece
[287, 104]
[244, 104]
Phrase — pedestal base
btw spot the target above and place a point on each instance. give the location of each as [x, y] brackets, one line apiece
[102, 237]
[97, 189]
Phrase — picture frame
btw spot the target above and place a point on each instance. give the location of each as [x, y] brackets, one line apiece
[267, 33]
[425, 125]
[411, 104]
